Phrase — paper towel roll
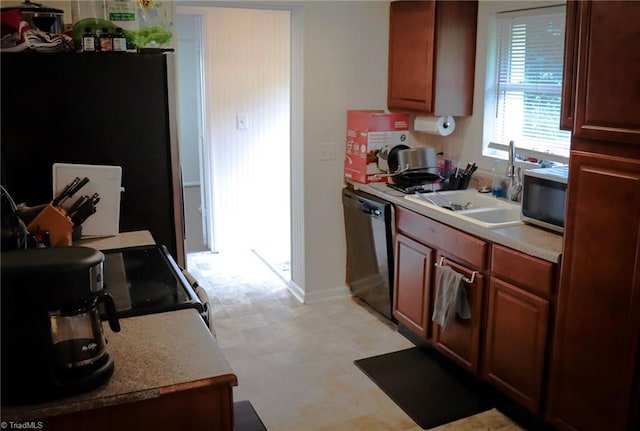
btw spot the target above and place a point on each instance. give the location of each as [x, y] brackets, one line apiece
[443, 126]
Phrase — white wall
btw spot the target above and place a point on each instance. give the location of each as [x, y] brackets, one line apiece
[247, 73]
[344, 47]
[345, 67]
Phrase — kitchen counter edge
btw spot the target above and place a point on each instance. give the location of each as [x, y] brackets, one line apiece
[154, 354]
[525, 238]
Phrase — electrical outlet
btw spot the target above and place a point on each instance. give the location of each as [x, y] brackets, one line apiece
[242, 121]
[328, 151]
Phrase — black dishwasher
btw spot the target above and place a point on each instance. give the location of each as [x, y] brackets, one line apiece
[369, 225]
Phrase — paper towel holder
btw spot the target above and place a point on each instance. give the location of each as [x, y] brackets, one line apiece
[436, 125]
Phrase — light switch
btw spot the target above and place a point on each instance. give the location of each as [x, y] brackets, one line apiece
[328, 151]
[242, 121]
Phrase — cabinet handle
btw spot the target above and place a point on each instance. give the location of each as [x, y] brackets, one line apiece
[465, 279]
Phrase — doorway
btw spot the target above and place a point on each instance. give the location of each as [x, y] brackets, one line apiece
[241, 198]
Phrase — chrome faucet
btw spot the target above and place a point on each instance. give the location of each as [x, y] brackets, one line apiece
[514, 186]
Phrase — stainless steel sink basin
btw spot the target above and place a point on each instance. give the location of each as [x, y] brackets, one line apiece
[481, 209]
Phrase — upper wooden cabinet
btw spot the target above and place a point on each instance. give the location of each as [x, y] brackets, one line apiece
[602, 52]
[569, 67]
[432, 49]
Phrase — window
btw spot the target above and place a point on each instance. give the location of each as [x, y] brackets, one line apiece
[528, 81]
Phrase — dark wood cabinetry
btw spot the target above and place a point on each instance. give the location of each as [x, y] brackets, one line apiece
[569, 68]
[607, 90]
[411, 300]
[594, 376]
[461, 341]
[595, 355]
[517, 324]
[418, 241]
[432, 47]
[511, 297]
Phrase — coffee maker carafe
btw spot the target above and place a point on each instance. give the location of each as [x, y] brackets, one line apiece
[52, 339]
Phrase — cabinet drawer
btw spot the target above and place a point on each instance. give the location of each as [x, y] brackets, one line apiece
[461, 245]
[533, 274]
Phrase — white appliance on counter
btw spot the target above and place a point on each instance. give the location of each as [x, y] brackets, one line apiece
[104, 180]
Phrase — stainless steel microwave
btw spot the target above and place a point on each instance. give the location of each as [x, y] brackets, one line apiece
[544, 193]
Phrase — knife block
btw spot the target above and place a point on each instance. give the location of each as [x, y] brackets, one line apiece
[55, 221]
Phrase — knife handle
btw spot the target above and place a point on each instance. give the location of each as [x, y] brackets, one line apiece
[63, 194]
[74, 189]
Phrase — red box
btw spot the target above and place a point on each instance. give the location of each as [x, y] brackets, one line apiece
[367, 133]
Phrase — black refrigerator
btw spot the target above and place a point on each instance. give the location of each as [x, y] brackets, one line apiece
[101, 109]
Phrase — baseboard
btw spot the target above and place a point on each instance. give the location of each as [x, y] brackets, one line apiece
[329, 293]
[296, 291]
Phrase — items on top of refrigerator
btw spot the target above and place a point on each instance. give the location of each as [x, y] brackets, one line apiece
[144, 24]
[20, 34]
[103, 41]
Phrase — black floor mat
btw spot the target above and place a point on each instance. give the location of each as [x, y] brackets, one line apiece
[246, 418]
[430, 390]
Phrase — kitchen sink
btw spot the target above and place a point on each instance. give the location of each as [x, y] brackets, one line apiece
[477, 208]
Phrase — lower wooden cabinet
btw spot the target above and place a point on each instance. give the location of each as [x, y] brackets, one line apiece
[461, 341]
[510, 294]
[411, 299]
[518, 316]
[595, 368]
[515, 342]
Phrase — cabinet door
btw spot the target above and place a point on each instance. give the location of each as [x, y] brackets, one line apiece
[515, 342]
[608, 94]
[411, 301]
[461, 341]
[597, 335]
[571, 34]
[411, 53]
[432, 53]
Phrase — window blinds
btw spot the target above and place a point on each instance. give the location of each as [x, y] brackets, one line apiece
[530, 48]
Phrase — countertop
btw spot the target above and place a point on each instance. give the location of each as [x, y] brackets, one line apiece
[154, 354]
[122, 240]
[528, 239]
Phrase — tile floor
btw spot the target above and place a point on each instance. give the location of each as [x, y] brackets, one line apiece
[294, 361]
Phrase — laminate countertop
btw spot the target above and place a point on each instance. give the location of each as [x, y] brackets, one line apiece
[526, 238]
[154, 354]
[122, 240]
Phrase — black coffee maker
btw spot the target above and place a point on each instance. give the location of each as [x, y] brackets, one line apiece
[52, 339]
